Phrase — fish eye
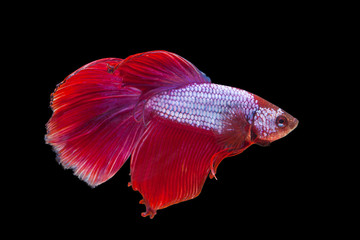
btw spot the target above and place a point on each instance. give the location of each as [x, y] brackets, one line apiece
[281, 121]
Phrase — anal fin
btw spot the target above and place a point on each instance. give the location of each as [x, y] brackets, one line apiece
[171, 163]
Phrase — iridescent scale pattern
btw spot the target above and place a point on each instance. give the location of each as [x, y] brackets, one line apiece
[202, 105]
[265, 120]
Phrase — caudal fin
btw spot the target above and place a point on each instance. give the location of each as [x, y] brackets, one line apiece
[93, 128]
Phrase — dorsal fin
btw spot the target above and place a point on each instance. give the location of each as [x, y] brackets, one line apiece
[157, 71]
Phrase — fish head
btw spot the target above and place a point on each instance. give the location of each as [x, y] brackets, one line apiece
[271, 123]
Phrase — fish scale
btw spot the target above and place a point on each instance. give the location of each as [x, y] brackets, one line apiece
[202, 105]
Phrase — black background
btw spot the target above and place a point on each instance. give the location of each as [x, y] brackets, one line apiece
[274, 55]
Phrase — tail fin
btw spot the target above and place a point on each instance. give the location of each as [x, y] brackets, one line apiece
[92, 128]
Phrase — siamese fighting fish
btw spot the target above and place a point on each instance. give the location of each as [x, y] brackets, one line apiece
[163, 113]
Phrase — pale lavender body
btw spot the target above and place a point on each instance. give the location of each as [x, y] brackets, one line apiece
[203, 105]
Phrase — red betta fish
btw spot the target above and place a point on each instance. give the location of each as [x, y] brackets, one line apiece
[160, 109]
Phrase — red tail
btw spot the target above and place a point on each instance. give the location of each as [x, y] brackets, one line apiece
[92, 128]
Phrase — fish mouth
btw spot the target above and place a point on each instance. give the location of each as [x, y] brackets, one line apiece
[293, 124]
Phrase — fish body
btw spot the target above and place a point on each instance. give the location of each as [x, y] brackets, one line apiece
[162, 111]
[203, 106]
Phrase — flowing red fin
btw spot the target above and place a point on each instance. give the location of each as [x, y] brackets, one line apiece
[157, 71]
[92, 128]
[171, 163]
[229, 152]
[216, 160]
[235, 137]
